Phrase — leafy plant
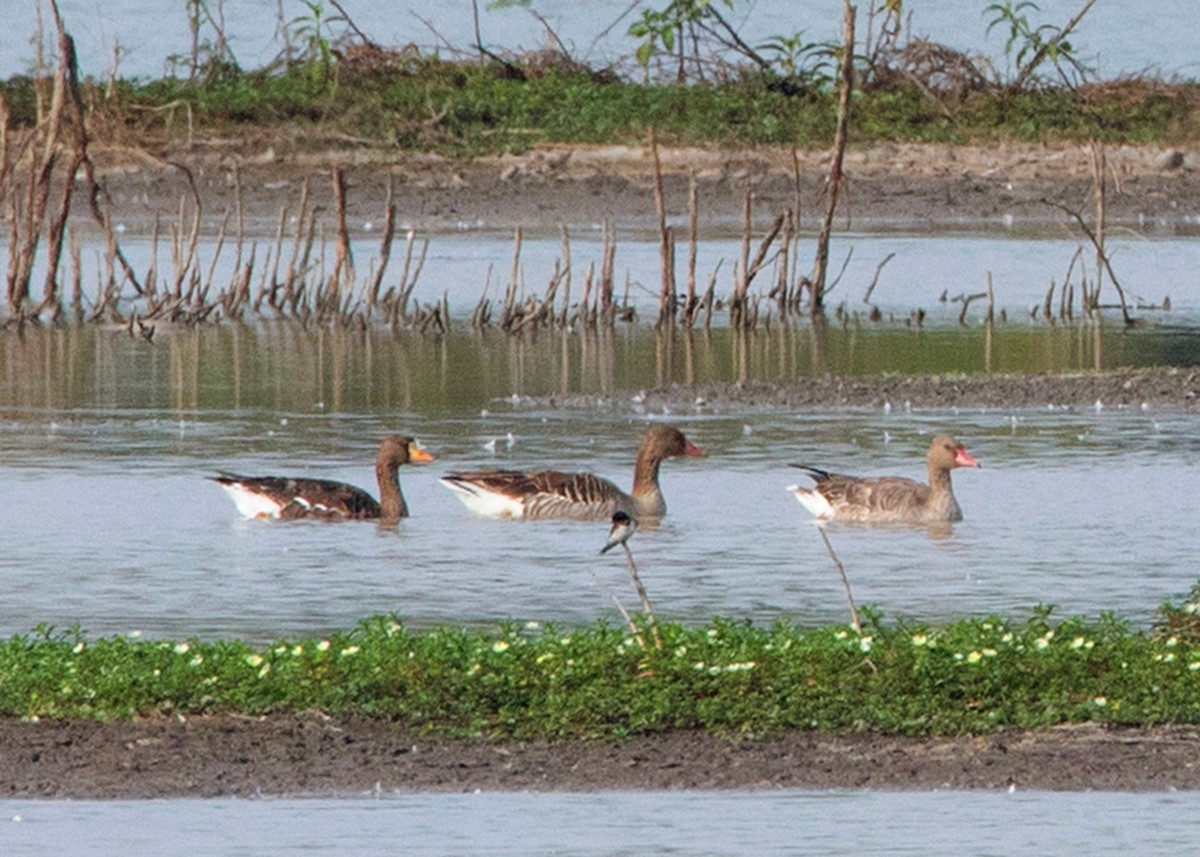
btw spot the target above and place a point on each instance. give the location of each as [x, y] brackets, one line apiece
[311, 32]
[800, 62]
[1030, 45]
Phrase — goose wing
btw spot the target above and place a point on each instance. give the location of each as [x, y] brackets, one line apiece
[288, 498]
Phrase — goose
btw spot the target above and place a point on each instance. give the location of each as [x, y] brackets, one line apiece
[498, 493]
[292, 498]
[889, 499]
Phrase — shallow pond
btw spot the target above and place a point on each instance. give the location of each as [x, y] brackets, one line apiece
[107, 440]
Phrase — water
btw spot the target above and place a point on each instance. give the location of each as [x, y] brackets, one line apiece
[923, 824]
[1116, 37]
[105, 442]
[105, 455]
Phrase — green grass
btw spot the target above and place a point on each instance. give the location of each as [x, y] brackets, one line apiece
[471, 108]
[729, 677]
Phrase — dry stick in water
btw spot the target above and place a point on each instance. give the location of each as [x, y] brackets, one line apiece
[1099, 190]
[666, 243]
[1101, 256]
[566, 250]
[606, 274]
[240, 216]
[637, 632]
[845, 580]
[645, 599]
[412, 272]
[385, 244]
[875, 279]
[587, 317]
[741, 278]
[689, 312]
[846, 86]
[510, 294]
[292, 272]
[343, 261]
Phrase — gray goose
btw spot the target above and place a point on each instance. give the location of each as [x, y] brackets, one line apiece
[498, 493]
[889, 499]
[293, 498]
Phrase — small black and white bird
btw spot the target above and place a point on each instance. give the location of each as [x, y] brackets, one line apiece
[623, 527]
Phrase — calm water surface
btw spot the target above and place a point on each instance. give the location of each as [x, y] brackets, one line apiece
[755, 824]
[106, 443]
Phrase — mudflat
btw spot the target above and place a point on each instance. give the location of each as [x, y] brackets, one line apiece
[923, 186]
[310, 753]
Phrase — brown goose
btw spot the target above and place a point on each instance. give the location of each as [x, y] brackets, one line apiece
[583, 496]
[889, 499]
[292, 498]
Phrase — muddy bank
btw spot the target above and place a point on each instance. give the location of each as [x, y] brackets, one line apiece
[313, 754]
[912, 186]
[1168, 387]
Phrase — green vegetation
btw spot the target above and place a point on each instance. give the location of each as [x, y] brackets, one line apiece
[533, 681]
[698, 84]
[476, 108]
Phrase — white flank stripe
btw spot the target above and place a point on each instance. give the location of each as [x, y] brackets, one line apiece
[815, 503]
[486, 504]
[250, 504]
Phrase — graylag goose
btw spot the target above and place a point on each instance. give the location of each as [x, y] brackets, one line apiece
[889, 499]
[499, 493]
[324, 499]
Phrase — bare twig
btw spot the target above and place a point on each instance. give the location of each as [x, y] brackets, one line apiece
[854, 621]
[836, 176]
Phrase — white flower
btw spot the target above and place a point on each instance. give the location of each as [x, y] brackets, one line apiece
[350, 650]
[181, 648]
[500, 646]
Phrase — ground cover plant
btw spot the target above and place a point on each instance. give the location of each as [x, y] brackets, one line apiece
[528, 680]
[692, 79]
